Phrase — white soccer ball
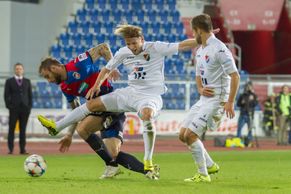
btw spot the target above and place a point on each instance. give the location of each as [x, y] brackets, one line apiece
[35, 165]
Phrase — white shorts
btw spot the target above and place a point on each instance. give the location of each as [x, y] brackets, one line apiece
[203, 115]
[128, 100]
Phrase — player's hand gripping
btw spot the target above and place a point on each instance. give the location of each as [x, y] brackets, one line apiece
[114, 75]
[229, 109]
[93, 91]
[65, 143]
[205, 91]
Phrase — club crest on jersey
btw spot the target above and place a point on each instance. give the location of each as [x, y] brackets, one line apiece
[146, 56]
[76, 75]
[82, 56]
[207, 58]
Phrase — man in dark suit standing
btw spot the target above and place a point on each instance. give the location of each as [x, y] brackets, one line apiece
[18, 99]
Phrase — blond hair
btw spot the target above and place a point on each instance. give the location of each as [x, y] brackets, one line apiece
[128, 31]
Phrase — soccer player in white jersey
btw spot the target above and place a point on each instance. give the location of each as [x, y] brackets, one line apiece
[145, 85]
[217, 81]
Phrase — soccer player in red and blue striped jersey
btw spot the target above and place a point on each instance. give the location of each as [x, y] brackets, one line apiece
[75, 79]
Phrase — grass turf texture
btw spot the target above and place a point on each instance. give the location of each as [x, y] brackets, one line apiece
[241, 172]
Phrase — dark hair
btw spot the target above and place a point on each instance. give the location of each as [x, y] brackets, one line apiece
[18, 64]
[202, 22]
[47, 63]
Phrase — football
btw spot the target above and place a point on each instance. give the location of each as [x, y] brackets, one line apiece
[35, 165]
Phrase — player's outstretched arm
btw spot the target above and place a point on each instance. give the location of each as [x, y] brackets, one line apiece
[189, 44]
[66, 140]
[101, 50]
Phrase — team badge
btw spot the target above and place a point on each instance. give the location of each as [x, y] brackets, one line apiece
[207, 58]
[82, 56]
[147, 57]
[76, 75]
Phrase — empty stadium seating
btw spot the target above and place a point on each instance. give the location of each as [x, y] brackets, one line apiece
[95, 23]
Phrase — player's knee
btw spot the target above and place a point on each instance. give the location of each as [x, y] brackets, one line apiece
[190, 137]
[181, 137]
[83, 132]
[146, 114]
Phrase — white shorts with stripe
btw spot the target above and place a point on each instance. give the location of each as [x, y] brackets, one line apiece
[128, 100]
[203, 115]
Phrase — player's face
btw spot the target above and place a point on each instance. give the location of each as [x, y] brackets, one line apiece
[134, 44]
[19, 70]
[197, 35]
[51, 76]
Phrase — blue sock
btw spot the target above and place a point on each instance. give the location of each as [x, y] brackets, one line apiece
[130, 162]
[97, 144]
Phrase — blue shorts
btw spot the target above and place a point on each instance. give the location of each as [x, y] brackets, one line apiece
[114, 127]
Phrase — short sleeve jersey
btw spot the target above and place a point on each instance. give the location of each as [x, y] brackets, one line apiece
[214, 63]
[81, 76]
[146, 70]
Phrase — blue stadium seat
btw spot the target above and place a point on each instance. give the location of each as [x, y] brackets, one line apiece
[94, 16]
[175, 16]
[124, 4]
[68, 52]
[113, 4]
[105, 14]
[136, 4]
[76, 39]
[156, 27]
[72, 28]
[100, 38]
[101, 4]
[179, 27]
[108, 26]
[81, 15]
[147, 5]
[56, 51]
[171, 4]
[85, 27]
[164, 16]
[128, 17]
[116, 14]
[88, 39]
[152, 15]
[89, 4]
[64, 39]
[139, 14]
[160, 4]
[167, 27]
[97, 28]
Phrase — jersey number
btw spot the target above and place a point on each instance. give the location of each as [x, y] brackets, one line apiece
[204, 81]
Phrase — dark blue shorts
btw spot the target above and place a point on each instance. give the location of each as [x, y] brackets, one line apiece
[114, 127]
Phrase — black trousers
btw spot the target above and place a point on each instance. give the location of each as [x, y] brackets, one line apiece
[20, 113]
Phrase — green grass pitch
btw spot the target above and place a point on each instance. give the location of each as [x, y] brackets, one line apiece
[241, 172]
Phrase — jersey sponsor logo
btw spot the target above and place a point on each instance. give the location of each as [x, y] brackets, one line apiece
[130, 57]
[83, 87]
[207, 58]
[139, 73]
[82, 56]
[146, 56]
[76, 75]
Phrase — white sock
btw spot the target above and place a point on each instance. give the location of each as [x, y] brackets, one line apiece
[149, 137]
[197, 150]
[209, 161]
[74, 116]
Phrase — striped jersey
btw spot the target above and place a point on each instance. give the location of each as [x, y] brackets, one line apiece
[81, 76]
